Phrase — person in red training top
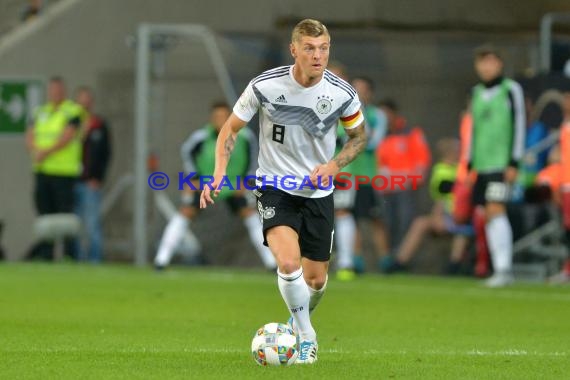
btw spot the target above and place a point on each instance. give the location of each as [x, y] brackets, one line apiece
[564, 275]
[404, 152]
[465, 125]
[463, 209]
[551, 176]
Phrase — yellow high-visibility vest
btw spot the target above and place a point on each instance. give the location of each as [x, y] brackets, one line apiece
[50, 122]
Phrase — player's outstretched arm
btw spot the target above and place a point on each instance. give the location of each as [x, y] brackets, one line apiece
[355, 144]
[224, 147]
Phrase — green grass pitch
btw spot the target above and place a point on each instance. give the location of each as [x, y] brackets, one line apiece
[81, 322]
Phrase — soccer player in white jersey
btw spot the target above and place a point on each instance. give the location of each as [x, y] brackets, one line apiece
[299, 107]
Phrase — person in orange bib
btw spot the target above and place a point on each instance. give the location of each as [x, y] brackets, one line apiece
[564, 275]
[404, 152]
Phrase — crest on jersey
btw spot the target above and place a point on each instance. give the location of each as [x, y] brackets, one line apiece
[324, 104]
[268, 212]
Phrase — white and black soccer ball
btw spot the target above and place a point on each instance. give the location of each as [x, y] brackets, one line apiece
[274, 344]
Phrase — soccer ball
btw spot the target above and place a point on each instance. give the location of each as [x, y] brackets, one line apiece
[274, 344]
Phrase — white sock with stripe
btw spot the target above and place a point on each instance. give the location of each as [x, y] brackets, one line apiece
[295, 293]
[316, 295]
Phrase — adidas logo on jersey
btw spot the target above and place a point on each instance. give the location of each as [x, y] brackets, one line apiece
[281, 99]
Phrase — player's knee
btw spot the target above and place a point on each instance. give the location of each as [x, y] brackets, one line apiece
[316, 281]
[288, 265]
[422, 221]
[493, 209]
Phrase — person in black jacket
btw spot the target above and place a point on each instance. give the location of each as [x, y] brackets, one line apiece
[96, 155]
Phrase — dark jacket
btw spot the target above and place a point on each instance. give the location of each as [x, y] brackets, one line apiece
[96, 149]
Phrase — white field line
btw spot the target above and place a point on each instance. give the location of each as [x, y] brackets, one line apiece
[476, 289]
[473, 352]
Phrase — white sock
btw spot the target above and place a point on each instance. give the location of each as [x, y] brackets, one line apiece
[255, 230]
[295, 292]
[171, 237]
[316, 295]
[190, 245]
[345, 232]
[500, 239]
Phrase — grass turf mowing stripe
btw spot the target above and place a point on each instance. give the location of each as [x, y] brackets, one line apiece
[71, 321]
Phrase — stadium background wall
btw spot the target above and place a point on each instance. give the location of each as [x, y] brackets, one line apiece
[419, 52]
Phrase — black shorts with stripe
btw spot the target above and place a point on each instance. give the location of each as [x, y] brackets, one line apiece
[311, 218]
[486, 186]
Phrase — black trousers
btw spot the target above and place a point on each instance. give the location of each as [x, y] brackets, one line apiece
[53, 194]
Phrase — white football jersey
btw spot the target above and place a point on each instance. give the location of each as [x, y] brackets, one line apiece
[297, 125]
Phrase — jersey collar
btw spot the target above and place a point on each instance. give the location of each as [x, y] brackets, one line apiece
[301, 87]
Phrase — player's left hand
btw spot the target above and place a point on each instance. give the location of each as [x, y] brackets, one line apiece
[322, 174]
[511, 174]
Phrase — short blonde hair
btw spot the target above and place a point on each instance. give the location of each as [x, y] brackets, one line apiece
[309, 27]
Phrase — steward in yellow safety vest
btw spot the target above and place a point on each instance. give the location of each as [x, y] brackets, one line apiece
[54, 142]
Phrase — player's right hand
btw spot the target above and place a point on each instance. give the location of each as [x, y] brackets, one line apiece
[206, 196]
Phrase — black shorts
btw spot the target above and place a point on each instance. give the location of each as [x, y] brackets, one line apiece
[311, 218]
[367, 204]
[235, 203]
[490, 186]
